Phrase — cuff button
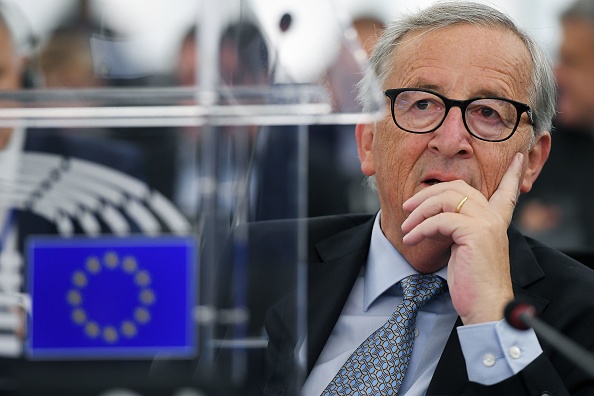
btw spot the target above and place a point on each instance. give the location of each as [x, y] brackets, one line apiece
[489, 360]
[515, 352]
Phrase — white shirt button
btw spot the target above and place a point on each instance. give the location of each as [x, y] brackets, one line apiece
[416, 332]
[488, 360]
[515, 352]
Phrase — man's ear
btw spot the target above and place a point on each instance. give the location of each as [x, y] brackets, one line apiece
[365, 135]
[537, 157]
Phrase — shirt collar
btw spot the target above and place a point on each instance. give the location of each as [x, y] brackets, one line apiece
[385, 266]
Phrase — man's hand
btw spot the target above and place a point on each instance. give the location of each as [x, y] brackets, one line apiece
[478, 270]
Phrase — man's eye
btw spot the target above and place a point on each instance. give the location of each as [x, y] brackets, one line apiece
[488, 112]
[422, 104]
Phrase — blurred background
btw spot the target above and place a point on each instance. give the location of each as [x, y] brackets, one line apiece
[160, 25]
[136, 134]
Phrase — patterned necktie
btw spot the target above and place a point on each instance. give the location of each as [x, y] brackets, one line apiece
[378, 365]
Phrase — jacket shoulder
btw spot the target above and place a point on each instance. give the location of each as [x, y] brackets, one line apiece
[316, 228]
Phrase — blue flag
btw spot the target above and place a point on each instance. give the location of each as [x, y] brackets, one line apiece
[111, 297]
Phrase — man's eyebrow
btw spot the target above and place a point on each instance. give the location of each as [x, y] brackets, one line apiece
[481, 93]
[487, 93]
[422, 85]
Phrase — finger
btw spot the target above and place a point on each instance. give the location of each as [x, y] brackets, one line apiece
[505, 197]
[444, 224]
[447, 201]
[459, 186]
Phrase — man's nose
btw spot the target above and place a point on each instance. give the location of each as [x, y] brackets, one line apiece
[452, 138]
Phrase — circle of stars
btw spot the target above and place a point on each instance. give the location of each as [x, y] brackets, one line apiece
[93, 267]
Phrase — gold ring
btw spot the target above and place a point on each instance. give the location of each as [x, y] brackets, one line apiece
[460, 204]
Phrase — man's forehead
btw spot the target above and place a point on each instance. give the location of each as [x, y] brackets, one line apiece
[435, 58]
[459, 35]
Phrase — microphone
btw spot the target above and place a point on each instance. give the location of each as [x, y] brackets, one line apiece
[522, 316]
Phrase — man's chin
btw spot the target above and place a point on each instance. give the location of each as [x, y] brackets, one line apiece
[430, 255]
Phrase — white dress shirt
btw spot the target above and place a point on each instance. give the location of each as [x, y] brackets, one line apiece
[493, 351]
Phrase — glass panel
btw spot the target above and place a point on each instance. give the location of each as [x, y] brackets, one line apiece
[137, 141]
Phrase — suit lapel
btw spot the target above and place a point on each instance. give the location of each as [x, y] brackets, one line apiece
[331, 280]
[450, 376]
[342, 257]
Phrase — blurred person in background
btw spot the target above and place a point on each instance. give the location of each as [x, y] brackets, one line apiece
[243, 62]
[334, 180]
[66, 60]
[18, 72]
[559, 210]
[336, 183]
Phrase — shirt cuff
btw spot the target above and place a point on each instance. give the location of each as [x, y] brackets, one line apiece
[495, 351]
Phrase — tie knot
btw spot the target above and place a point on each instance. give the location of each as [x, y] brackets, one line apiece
[420, 288]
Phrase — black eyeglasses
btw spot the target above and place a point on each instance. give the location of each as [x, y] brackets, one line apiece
[423, 111]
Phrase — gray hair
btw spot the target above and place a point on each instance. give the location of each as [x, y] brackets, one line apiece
[541, 93]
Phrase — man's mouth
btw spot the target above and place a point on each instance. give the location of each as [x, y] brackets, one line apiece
[432, 181]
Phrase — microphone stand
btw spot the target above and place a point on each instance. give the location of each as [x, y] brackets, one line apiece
[523, 316]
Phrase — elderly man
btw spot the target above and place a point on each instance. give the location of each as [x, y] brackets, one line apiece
[411, 301]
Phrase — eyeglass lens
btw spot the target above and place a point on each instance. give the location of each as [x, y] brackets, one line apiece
[419, 111]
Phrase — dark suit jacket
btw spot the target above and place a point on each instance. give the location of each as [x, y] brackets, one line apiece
[559, 287]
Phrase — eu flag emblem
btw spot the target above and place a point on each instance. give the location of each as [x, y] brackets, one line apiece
[111, 297]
